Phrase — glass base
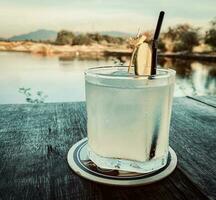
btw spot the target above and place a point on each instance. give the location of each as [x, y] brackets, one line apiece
[127, 165]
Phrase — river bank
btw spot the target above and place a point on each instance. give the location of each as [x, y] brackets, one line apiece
[94, 50]
[62, 50]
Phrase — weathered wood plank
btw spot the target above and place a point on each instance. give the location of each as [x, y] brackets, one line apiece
[35, 141]
[193, 137]
[210, 100]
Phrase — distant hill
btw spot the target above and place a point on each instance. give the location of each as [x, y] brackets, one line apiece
[38, 35]
[116, 33]
[43, 35]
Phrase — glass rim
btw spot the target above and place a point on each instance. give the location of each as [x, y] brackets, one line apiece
[92, 72]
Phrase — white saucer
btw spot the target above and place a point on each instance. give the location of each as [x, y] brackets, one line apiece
[78, 161]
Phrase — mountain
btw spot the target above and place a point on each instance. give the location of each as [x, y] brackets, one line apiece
[116, 33]
[43, 35]
[38, 35]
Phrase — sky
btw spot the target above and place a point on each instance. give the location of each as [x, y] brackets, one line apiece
[23, 16]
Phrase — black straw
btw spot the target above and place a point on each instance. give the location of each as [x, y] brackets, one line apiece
[155, 43]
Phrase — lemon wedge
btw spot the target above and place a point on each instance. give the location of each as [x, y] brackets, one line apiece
[143, 59]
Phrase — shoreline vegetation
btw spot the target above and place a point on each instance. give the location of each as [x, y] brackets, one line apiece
[181, 41]
[93, 50]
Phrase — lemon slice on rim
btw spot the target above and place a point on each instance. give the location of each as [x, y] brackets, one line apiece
[143, 59]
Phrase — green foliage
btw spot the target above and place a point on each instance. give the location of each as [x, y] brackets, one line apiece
[183, 36]
[110, 39]
[38, 98]
[187, 41]
[95, 37]
[161, 45]
[65, 37]
[210, 36]
[82, 40]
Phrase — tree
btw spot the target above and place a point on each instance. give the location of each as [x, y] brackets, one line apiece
[183, 37]
[82, 40]
[65, 37]
[161, 45]
[95, 37]
[210, 36]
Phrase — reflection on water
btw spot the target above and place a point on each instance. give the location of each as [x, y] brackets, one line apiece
[193, 78]
[62, 79]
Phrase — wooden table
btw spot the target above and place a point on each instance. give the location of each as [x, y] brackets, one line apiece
[35, 139]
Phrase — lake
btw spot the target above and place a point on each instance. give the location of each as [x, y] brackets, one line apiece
[59, 79]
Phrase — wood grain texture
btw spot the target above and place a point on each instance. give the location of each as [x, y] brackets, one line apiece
[35, 139]
[211, 100]
[193, 137]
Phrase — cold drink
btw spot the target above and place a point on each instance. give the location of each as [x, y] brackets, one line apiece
[128, 118]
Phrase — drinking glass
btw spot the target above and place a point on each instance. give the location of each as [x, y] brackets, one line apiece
[128, 118]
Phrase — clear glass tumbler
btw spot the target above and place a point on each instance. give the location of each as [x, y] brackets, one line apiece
[128, 118]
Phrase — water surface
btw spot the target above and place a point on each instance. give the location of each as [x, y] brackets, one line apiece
[62, 80]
